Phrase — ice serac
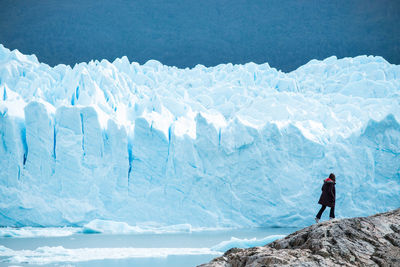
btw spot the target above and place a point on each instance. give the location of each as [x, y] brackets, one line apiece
[93, 145]
[12, 151]
[225, 146]
[117, 159]
[69, 153]
[40, 138]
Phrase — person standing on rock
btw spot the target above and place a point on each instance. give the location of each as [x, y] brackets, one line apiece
[328, 197]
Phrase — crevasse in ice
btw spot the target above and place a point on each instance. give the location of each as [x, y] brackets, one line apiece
[224, 146]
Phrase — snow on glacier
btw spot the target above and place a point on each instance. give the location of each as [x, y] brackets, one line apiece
[224, 146]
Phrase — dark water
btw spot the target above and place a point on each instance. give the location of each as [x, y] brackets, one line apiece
[205, 239]
[284, 33]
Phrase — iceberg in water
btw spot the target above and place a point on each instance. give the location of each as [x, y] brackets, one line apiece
[102, 226]
[59, 255]
[111, 227]
[225, 146]
[245, 243]
[29, 232]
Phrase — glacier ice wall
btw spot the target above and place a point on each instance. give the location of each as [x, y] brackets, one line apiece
[230, 145]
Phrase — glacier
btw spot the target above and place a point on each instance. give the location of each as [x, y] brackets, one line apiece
[224, 146]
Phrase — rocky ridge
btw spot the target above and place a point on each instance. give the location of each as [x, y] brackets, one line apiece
[362, 241]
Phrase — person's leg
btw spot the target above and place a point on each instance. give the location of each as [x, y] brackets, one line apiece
[320, 212]
[332, 213]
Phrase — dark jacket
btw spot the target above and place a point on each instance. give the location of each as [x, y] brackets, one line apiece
[328, 195]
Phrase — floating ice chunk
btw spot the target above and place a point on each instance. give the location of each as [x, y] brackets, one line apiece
[112, 227]
[245, 243]
[109, 227]
[28, 232]
[52, 255]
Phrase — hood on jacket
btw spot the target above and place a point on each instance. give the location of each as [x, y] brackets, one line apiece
[329, 180]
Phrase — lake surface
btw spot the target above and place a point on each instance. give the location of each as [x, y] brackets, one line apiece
[171, 249]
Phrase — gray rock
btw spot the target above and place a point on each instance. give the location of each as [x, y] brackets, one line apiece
[363, 241]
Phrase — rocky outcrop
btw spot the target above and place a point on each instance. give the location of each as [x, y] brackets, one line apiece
[363, 241]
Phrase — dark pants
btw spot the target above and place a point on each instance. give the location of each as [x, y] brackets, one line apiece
[331, 214]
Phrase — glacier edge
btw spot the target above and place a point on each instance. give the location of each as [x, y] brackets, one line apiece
[227, 146]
